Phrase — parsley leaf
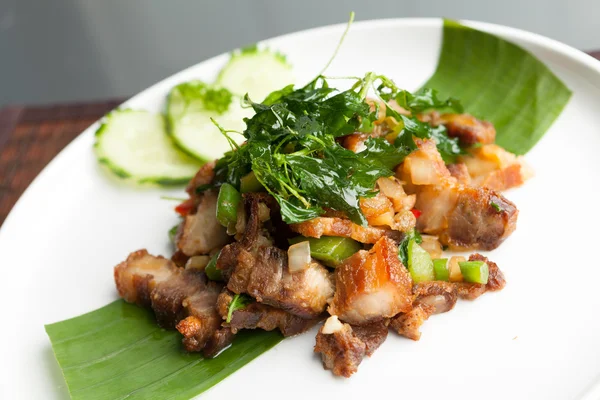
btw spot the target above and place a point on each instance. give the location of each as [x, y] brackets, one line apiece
[238, 302]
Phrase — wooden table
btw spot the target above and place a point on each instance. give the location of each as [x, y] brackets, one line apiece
[31, 136]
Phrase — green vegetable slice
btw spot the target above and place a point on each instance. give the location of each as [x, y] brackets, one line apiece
[420, 264]
[474, 271]
[119, 352]
[190, 107]
[227, 205]
[256, 72]
[211, 270]
[134, 145]
[440, 269]
[329, 249]
[500, 82]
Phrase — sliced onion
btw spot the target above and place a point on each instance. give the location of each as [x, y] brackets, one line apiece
[454, 268]
[332, 325]
[197, 262]
[394, 191]
[422, 171]
[299, 256]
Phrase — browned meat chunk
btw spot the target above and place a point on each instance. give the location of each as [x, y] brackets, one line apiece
[218, 342]
[460, 172]
[408, 324]
[461, 216]
[372, 335]
[493, 167]
[263, 316]
[468, 129]
[496, 281]
[372, 285]
[341, 350]
[430, 298]
[266, 277]
[326, 226]
[343, 346]
[200, 233]
[180, 298]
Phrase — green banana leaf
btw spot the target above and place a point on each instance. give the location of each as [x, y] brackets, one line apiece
[499, 82]
[119, 352]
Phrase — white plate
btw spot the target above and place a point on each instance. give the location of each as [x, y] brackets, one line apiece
[536, 339]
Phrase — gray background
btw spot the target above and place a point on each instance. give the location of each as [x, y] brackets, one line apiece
[69, 50]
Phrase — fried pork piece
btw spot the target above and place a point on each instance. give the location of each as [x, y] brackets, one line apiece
[371, 285]
[256, 267]
[429, 298]
[463, 217]
[468, 129]
[199, 233]
[343, 347]
[180, 298]
[327, 226]
[493, 167]
[460, 172]
[266, 277]
[496, 281]
[262, 316]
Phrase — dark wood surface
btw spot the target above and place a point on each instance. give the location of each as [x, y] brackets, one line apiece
[30, 136]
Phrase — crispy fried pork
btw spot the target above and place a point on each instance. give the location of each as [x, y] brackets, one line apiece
[461, 216]
[266, 277]
[256, 267]
[180, 298]
[200, 232]
[468, 129]
[371, 285]
[262, 316]
[429, 298]
[343, 347]
[327, 226]
[493, 167]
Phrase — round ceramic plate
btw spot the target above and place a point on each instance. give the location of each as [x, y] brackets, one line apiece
[536, 339]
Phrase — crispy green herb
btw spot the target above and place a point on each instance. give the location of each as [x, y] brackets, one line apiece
[292, 150]
[424, 100]
[238, 302]
[496, 206]
[403, 247]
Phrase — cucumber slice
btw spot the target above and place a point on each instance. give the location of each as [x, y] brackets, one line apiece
[191, 106]
[134, 145]
[256, 72]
